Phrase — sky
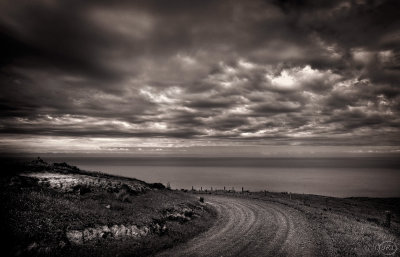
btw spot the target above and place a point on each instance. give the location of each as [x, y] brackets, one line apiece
[255, 77]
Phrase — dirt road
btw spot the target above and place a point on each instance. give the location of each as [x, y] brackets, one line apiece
[248, 227]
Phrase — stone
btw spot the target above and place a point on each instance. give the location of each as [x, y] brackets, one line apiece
[135, 231]
[89, 234]
[114, 230]
[122, 231]
[75, 237]
[144, 231]
[62, 244]
[105, 232]
[32, 246]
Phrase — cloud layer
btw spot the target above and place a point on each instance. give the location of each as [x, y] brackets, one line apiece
[259, 72]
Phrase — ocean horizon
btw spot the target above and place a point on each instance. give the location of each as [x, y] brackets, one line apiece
[336, 176]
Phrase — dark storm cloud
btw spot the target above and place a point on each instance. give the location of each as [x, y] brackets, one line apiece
[238, 70]
[54, 35]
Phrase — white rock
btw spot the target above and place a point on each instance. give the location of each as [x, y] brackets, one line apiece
[75, 236]
[89, 234]
[135, 231]
[144, 231]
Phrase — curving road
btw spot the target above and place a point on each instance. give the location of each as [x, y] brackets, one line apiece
[248, 227]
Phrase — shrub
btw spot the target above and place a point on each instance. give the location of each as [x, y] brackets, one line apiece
[125, 198]
[82, 189]
[122, 195]
[157, 186]
[374, 220]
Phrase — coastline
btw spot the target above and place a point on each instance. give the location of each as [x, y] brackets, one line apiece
[60, 210]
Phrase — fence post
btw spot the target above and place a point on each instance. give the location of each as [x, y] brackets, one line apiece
[201, 188]
[242, 190]
[224, 188]
[388, 218]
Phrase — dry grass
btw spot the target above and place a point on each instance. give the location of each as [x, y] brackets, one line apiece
[35, 218]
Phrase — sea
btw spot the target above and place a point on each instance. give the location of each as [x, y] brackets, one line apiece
[339, 177]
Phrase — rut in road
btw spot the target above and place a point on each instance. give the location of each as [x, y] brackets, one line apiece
[249, 227]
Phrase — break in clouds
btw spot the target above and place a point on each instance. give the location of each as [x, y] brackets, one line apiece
[232, 72]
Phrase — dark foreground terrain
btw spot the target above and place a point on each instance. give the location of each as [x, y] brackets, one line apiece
[59, 210]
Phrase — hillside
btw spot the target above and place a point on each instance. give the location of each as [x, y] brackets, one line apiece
[60, 210]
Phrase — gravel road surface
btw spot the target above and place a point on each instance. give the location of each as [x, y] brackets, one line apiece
[249, 227]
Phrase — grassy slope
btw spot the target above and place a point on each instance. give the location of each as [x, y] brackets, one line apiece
[36, 218]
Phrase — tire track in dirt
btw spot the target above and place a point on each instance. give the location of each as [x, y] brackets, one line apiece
[249, 227]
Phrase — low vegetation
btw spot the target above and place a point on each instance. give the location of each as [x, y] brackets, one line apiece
[59, 210]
